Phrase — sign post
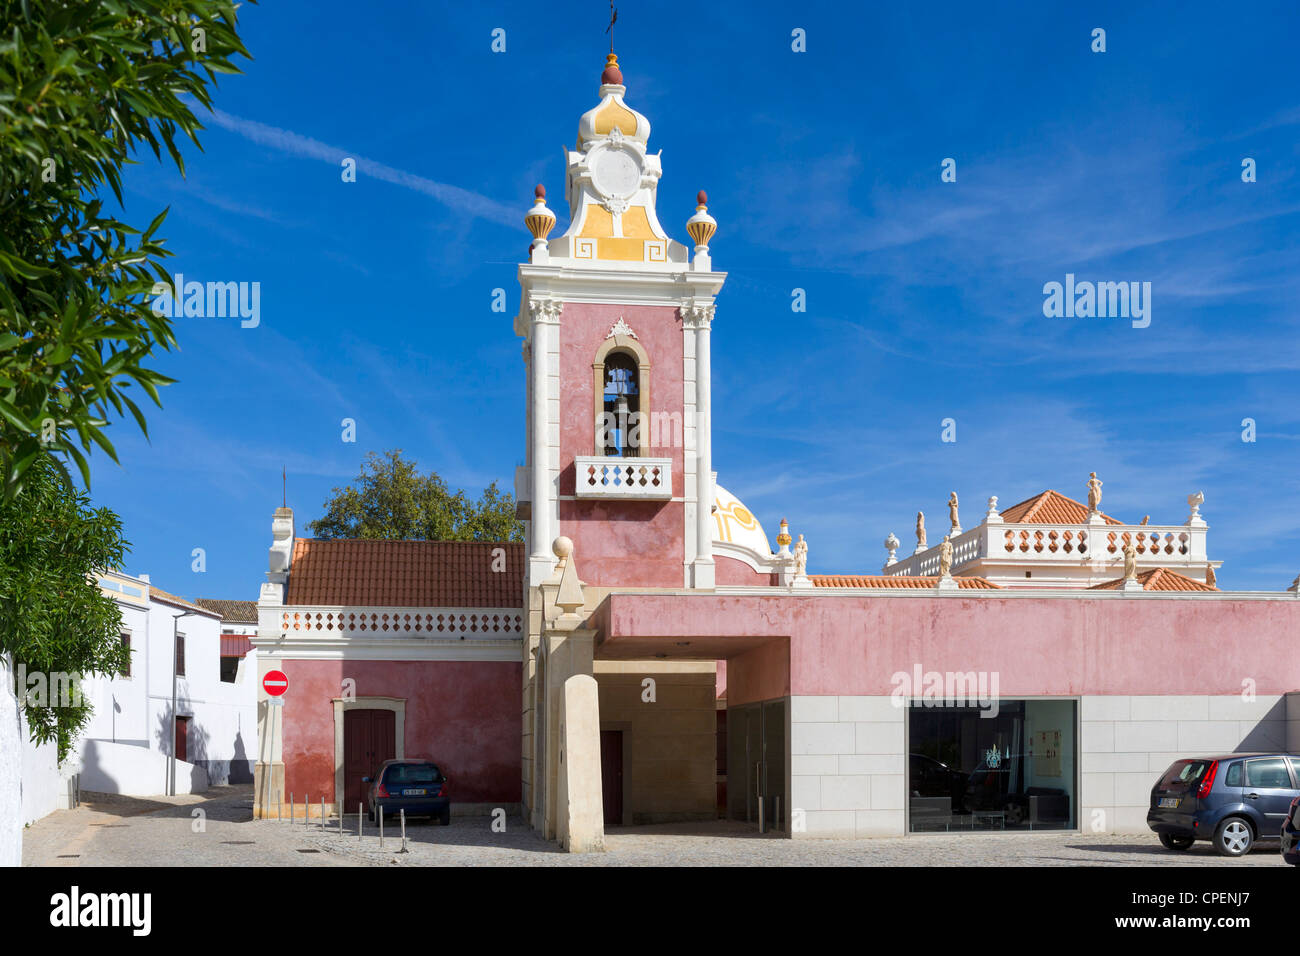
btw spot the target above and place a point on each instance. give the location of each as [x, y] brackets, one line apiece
[275, 683]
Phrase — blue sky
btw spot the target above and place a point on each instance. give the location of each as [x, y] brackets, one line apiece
[924, 298]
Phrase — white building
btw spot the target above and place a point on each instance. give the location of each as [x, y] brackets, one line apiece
[128, 745]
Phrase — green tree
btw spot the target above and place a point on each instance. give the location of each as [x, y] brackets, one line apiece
[54, 620]
[83, 85]
[391, 499]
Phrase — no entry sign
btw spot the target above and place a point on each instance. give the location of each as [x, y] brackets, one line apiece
[275, 683]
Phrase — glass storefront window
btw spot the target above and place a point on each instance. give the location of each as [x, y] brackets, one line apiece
[1012, 767]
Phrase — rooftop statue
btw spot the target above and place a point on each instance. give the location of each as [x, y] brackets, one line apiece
[1094, 491]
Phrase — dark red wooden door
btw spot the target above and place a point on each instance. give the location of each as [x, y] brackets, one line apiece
[182, 738]
[611, 774]
[369, 738]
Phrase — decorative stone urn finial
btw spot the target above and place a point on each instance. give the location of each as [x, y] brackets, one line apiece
[569, 597]
[783, 539]
[701, 228]
[891, 545]
[539, 220]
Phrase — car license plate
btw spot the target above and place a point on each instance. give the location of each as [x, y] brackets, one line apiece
[414, 793]
[1169, 803]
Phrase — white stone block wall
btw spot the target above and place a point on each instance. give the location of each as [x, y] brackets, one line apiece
[847, 766]
[1126, 742]
[848, 760]
[11, 795]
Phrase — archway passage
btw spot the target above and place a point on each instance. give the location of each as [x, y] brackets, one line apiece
[700, 724]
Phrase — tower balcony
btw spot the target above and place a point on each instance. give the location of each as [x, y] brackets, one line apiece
[627, 479]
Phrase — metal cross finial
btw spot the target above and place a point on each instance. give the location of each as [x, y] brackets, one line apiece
[284, 487]
[613, 17]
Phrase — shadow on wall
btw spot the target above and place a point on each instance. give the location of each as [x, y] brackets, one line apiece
[196, 748]
[108, 767]
[220, 771]
[1270, 734]
[241, 768]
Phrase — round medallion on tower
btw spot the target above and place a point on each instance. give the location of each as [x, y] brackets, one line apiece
[702, 226]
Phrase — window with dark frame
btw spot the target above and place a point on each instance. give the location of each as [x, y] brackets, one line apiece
[621, 403]
[180, 655]
[126, 643]
[229, 669]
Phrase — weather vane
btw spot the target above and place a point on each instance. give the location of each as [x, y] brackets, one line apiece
[613, 18]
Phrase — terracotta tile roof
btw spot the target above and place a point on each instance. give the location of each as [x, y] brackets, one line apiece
[899, 581]
[1158, 579]
[1050, 507]
[371, 573]
[233, 612]
[158, 594]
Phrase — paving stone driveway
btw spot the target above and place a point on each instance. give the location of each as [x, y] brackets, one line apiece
[159, 831]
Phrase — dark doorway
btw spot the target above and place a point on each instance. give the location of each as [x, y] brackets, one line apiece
[756, 763]
[611, 774]
[182, 738]
[369, 738]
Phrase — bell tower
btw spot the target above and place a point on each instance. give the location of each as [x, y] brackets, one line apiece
[615, 317]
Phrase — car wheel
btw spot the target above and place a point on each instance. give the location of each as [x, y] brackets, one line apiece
[1172, 842]
[1234, 837]
[445, 818]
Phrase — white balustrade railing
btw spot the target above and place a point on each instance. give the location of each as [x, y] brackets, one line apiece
[445, 624]
[1062, 543]
[600, 477]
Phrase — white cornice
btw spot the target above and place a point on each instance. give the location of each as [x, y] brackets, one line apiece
[622, 286]
[757, 562]
[1014, 594]
[413, 649]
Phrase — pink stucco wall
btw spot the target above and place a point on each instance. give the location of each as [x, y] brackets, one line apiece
[633, 543]
[1106, 644]
[464, 715]
[733, 571]
[759, 674]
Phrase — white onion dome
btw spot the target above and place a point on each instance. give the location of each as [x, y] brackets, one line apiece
[735, 524]
[612, 113]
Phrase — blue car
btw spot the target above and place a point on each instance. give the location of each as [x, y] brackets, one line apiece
[1233, 801]
[1291, 835]
[416, 786]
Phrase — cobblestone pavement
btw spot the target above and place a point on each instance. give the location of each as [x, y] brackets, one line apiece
[158, 831]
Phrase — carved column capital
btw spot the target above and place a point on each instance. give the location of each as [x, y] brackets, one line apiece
[696, 315]
[543, 309]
